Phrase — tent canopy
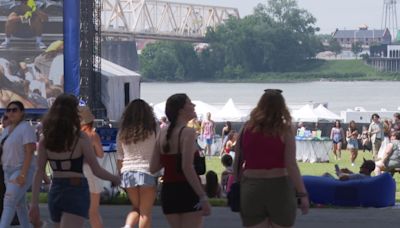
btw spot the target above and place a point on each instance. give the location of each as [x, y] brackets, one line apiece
[201, 108]
[305, 114]
[230, 113]
[308, 114]
[325, 114]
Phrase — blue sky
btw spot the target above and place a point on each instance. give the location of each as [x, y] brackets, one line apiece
[330, 14]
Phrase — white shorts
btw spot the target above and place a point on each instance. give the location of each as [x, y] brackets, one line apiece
[95, 183]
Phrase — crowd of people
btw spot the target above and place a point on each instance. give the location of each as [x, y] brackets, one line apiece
[149, 153]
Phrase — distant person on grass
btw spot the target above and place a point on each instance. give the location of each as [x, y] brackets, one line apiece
[207, 132]
[337, 136]
[391, 158]
[366, 168]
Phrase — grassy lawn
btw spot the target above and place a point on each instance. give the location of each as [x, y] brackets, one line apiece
[315, 169]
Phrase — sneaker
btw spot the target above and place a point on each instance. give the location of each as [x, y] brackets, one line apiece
[5, 44]
[352, 164]
[41, 45]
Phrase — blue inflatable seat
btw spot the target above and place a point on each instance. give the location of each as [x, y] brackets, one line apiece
[378, 191]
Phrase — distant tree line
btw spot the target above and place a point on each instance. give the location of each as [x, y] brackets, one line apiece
[277, 37]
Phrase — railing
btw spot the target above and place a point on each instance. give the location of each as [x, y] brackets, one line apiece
[161, 19]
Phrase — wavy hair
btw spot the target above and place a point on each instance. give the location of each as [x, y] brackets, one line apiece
[137, 122]
[271, 115]
[174, 104]
[61, 125]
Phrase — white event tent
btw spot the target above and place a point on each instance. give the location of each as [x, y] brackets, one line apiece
[309, 114]
[305, 114]
[230, 113]
[201, 109]
[325, 114]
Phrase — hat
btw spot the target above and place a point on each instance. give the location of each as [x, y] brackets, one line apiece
[85, 115]
[368, 164]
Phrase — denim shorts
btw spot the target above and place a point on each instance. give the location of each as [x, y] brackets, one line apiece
[70, 195]
[132, 179]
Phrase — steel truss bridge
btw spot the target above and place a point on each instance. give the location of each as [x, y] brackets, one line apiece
[162, 20]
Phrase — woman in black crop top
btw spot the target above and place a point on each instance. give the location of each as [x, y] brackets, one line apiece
[66, 148]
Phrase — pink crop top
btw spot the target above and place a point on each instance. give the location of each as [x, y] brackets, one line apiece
[263, 152]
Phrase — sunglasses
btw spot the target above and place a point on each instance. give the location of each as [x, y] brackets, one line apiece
[12, 109]
[273, 90]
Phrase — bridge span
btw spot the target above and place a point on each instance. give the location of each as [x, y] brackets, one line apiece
[162, 20]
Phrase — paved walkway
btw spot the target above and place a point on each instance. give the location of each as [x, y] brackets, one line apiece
[114, 217]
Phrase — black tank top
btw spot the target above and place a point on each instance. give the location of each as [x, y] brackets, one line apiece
[76, 163]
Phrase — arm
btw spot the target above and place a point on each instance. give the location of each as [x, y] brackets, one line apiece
[34, 213]
[188, 150]
[88, 153]
[294, 172]
[388, 152]
[155, 164]
[120, 155]
[29, 150]
[331, 136]
[98, 147]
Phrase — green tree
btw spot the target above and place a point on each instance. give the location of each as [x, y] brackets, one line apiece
[356, 48]
[170, 61]
[334, 46]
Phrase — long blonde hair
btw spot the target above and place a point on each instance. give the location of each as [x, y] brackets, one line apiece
[271, 115]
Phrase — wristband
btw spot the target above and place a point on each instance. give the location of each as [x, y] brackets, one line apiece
[203, 198]
[301, 194]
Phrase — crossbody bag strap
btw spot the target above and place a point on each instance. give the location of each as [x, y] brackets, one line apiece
[3, 140]
[240, 153]
[179, 139]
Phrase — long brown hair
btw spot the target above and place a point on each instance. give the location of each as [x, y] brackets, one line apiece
[173, 105]
[271, 115]
[137, 122]
[61, 125]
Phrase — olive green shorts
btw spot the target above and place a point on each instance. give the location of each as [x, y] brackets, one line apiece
[272, 198]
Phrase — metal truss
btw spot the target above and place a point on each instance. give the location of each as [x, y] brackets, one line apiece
[155, 19]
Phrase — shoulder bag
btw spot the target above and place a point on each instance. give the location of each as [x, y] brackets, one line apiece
[199, 161]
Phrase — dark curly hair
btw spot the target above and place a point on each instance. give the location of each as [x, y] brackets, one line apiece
[61, 125]
[174, 104]
[137, 122]
[271, 115]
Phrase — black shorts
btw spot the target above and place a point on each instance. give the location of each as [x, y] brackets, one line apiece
[178, 198]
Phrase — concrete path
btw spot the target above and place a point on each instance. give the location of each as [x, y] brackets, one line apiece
[114, 217]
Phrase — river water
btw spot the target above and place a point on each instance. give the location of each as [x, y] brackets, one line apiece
[372, 95]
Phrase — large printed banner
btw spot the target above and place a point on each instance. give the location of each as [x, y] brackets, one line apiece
[31, 52]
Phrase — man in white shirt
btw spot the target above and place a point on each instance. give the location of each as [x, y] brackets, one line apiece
[375, 132]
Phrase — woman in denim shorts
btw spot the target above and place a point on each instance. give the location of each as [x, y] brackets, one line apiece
[66, 148]
[135, 145]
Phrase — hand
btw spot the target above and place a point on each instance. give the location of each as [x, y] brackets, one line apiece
[304, 205]
[20, 180]
[206, 208]
[116, 181]
[34, 214]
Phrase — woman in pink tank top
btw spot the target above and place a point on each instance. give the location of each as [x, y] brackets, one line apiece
[270, 184]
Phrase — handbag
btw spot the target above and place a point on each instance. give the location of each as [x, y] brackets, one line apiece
[199, 160]
[234, 193]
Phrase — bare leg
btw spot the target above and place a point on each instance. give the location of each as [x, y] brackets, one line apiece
[192, 219]
[354, 153]
[334, 151]
[69, 220]
[174, 220]
[339, 150]
[133, 217]
[94, 214]
[147, 196]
